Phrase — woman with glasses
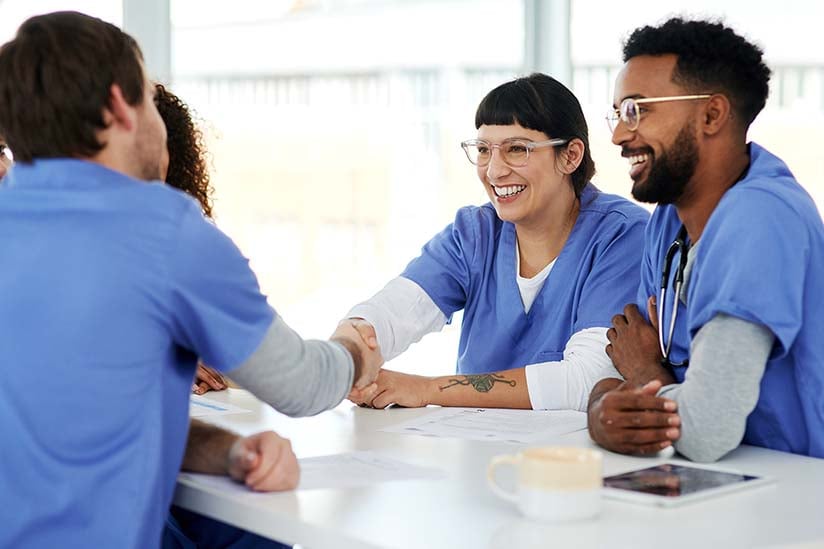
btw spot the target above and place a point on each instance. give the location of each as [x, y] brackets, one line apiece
[5, 158]
[538, 271]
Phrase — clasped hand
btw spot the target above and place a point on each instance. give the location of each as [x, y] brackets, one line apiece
[360, 338]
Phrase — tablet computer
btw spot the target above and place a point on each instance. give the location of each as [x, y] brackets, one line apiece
[671, 484]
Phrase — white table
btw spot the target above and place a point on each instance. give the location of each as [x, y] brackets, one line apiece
[460, 511]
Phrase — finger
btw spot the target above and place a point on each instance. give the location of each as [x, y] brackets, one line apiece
[268, 458]
[652, 311]
[626, 400]
[638, 401]
[646, 449]
[632, 314]
[380, 400]
[619, 321]
[652, 387]
[367, 333]
[643, 420]
[242, 459]
[608, 350]
[612, 333]
[631, 311]
[195, 388]
[644, 437]
[364, 395]
[201, 388]
[284, 474]
[214, 382]
[217, 376]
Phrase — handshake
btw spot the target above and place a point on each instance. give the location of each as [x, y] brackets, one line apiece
[359, 338]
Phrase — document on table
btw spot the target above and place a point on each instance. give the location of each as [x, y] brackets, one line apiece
[335, 471]
[517, 426]
[200, 406]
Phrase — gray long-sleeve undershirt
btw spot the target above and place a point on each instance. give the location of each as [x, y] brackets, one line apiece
[295, 376]
[721, 387]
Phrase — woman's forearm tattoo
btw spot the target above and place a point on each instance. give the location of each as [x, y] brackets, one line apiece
[483, 383]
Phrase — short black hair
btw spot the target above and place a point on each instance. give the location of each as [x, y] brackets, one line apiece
[57, 74]
[541, 103]
[712, 58]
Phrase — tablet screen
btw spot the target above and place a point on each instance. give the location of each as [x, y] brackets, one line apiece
[674, 480]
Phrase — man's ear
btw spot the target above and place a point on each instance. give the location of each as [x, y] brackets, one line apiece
[119, 112]
[717, 113]
[571, 157]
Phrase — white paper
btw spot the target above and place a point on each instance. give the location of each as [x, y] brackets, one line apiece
[335, 471]
[200, 406]
[516, 426]
[358, 469]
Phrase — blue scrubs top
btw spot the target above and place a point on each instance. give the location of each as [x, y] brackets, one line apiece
[760, 259]
[471, 265]
[111, 288]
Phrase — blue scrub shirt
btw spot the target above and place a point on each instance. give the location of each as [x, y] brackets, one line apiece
[111, 288]
[761, 259]
[471, 265]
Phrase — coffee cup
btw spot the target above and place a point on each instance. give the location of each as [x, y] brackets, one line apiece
[552, 483]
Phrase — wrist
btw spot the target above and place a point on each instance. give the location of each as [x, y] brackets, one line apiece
[357, 357]
[431, 391]
[651, 372]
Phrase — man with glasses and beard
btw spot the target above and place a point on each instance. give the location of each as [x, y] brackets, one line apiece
[722, 347]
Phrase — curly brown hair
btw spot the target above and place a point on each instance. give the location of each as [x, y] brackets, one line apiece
[188, 170]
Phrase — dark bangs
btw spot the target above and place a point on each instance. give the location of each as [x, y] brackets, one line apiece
[515, 102]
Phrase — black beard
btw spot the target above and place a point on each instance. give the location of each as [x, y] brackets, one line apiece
[671, 171]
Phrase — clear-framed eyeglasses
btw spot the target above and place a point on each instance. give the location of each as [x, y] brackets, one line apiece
[631, 109]
[514, 152]
[5, 152]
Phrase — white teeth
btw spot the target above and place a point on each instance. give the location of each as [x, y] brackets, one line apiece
[637, 159]
[509, 190]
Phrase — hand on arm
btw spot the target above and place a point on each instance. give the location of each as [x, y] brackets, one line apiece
[628, 419]
[505, 389]
[633, 346]
[207, 379]
[264, 461]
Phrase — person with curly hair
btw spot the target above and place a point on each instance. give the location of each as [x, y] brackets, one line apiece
[723, 344]
[120, 283]
[184, 166]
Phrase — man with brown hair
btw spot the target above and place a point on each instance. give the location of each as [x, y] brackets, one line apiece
[112, 288]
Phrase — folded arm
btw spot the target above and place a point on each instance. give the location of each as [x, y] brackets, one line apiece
[728, 357]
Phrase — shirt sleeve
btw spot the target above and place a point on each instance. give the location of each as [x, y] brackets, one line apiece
[567, 383]
[752, 265]
[216, 305]
[727, 361]
[444, 268]
[613, 280]
[295, 376]
[401, 313]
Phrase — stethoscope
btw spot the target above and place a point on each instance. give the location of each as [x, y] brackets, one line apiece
[682, 247]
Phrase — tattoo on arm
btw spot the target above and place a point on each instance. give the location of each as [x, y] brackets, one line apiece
[483, 383]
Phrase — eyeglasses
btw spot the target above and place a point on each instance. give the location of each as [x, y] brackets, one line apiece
[5, 151]
[679, 246]
[514, 152]
[630, 110]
